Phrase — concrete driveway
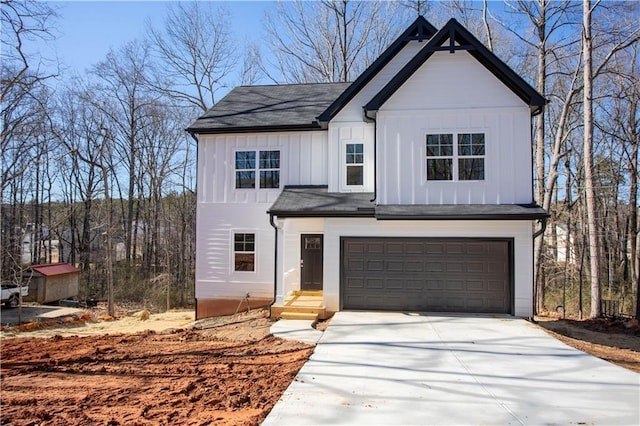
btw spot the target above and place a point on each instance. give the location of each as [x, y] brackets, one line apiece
[30, 313]
[402, 368]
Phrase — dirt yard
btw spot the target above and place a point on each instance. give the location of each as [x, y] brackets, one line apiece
[89, 370]
[615, 341]
[225, 371]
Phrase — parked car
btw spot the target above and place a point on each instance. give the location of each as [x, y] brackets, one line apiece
[11, 294]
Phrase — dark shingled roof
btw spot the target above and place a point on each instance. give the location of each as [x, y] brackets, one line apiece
[316, 201]
[460, 212]
[265, 108]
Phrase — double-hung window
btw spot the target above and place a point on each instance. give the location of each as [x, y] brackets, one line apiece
[355, 164]
[264, 173]
[244, 252]
[455, 156]
[471, 156]
[245, 169]
[269, 169]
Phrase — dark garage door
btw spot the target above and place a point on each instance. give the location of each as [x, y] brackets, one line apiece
[426, 274]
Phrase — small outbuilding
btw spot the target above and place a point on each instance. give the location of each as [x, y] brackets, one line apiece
[48, 283]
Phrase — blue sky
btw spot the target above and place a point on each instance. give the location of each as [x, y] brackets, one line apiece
[86, 30]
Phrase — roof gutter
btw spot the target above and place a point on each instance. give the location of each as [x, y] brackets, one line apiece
[461, 217]
[275, 263]
[311, 213]
[537, 110]
[543, 227]
[193, 134]
[369, 119]
[312, 126]
[539, 232]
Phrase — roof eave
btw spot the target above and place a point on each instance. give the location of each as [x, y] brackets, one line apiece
[492, 217]
[316, 213]
[256, 129]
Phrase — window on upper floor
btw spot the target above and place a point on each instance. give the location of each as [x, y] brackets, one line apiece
[455, 156]
[244, 252]
[245, 169]
[269, 169]
[355, 164]
[265, 173]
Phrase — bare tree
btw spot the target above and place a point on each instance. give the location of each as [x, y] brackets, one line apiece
[611, 39]
[195, 53]
[21, 22]
[160, 140]
[23, 99]
[122, 78]
[554, 55]
[76, 129]
[329, 41]
[102, 140]
[252, 67]
[618, 121]
[417, 7]
[590, 195]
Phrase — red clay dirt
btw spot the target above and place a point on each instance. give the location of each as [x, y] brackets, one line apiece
[228, 372]
[616, 341]
[221, 371]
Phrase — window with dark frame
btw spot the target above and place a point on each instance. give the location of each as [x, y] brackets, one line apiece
[355, 164]
[267, 168]
[440, 157]
[244, 252]
[245, 169]
[471, 156]
[464, 161]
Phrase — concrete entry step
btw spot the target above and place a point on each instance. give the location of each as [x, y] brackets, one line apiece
[289, 315]
[301, 330]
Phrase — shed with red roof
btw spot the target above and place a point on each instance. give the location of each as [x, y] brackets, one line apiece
[52, 282]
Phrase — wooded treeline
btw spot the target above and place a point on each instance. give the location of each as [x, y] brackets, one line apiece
[102, 159]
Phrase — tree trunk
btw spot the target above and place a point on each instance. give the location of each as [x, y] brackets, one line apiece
[594, 254]
[633, 208]
[108, 242]
[539, 153]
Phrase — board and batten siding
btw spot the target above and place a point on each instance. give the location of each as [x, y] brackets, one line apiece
[341, 134]
[520, 231]
[223, 210]
[303, 161]
[349, 126]
[215, 226]
[352, 111]
[453, 93]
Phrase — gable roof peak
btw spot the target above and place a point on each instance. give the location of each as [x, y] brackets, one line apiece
[459, 38]
[419, 30]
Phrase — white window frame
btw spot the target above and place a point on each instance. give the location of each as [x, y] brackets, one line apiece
[257, 169]
[236, 170]
[233, 251]
[344, 165]
[455, 157]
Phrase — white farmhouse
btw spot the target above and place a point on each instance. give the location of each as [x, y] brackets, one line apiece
[409, 189]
